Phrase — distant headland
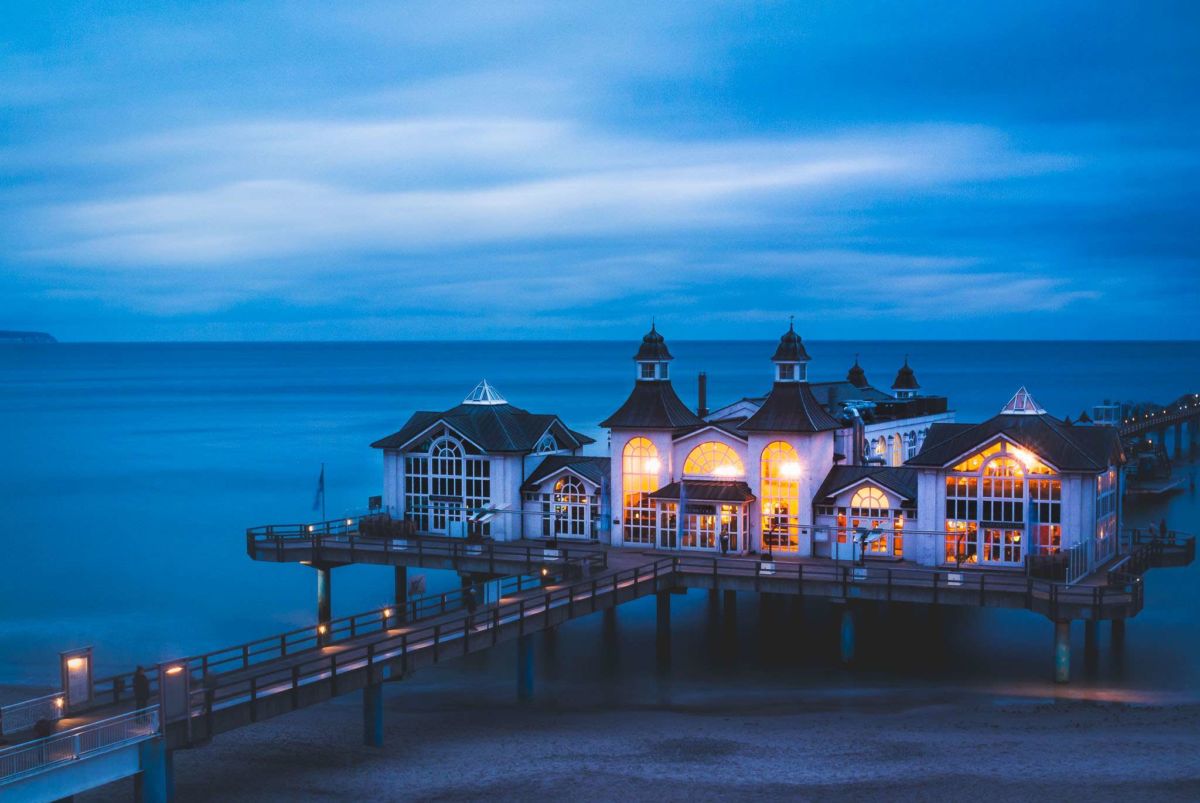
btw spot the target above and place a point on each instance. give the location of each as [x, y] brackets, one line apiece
[26, 337]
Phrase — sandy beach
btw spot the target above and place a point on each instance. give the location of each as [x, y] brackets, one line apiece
[867, 744]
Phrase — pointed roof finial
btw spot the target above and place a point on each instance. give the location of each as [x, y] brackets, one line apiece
[1022, 404]
[484, 393]
[791, 323]
[906, 379]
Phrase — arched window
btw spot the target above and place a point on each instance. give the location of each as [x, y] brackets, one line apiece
[570, 507]
[780, 494]
[713, 459]
[445, 485]
[639, 478]
[868, 500]
[546, 445]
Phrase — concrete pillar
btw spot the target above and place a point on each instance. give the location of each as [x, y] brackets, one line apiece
[155, 783]
[373, 715]
[1118, 636]
[847, 634]
[610, 642]
[1091, 649]
[401, 591]
[663, 631]
[324, 600]
[525, 668]
[730, 603]
[1062, 652]
[1178, 440]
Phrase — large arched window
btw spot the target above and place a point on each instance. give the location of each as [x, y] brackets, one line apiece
[869, 501]
[780, 495]
[639, 478]
[570, 507]
[445, 483]
[713, 459]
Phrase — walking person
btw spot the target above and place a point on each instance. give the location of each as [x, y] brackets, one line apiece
[141, 689]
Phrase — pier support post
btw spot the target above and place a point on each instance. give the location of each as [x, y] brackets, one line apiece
[1091, 648]
[401, 578]
[525, 668]
[847, 633]
[1062, 651]
[155, 783]
[1117, 643]
[1178, 441]
[324, 601]
[663, 631]
[373, 715]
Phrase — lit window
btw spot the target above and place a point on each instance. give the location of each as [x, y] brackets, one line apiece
[639, 473]
[780, 494]
[713, 459]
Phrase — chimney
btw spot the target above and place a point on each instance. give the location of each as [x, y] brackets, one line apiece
[702, 396]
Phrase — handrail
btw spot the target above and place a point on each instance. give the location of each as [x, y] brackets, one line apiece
[280, 645]
[81, 742]
[22, 715]
[326, 666]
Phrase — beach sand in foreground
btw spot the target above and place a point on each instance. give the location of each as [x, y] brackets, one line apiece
[703, 745]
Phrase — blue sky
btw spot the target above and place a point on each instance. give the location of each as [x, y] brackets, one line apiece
[297, 170]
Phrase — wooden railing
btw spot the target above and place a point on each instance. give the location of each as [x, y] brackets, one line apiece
[445, 639]
[260, 651]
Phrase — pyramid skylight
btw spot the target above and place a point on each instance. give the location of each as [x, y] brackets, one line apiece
[484, 394]
[1022, 404]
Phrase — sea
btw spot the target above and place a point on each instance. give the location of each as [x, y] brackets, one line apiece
[129, 473]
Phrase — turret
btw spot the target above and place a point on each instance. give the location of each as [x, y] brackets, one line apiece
[856, 375]
[652, 357]
[791, 360]
[906, 385]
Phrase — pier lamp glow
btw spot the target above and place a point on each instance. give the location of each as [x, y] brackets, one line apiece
[76, 678]
[387, 613]
[322, 629]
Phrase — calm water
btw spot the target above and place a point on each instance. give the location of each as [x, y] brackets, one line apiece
[130, 471]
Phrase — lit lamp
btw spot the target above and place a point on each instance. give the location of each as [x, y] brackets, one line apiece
[174, 693]
[76, 679]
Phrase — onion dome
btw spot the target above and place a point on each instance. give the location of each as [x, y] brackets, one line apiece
[905, 378]
[856, 375]
[653, 348]
[790, 349]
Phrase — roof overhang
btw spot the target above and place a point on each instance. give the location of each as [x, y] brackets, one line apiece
[870, 480]
[528, 486]
[440, 422]
[1006, 438]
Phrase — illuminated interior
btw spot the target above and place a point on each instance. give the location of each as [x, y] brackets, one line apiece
[713, 459]
[780, 495]
[639, 472]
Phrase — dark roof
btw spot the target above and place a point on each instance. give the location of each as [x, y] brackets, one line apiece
[790, 407]
[856, 375]
[727, 425]
[592, 469]
[905, 378]
[790, 349]
[899, 479]
[707, 491]
[653, 405]
[653, 347]
[1065, 447]
[491, 427]
[832, 394]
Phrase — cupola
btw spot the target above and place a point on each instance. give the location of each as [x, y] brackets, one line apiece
[906, 385]
[652, 357]
[791, 360]
[856, 375]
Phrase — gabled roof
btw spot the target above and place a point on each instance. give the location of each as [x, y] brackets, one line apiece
[898, 479]
[592, 469]
[652, 405]
[724, 426]
[706, 491]
[1068, 448]
[790, 407]
[491, 427]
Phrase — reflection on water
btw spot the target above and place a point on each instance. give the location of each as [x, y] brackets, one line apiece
[132, 471]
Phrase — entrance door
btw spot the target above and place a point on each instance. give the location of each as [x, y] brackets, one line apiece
[1002, 547]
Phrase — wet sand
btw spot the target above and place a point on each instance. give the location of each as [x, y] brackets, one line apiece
[858, 744]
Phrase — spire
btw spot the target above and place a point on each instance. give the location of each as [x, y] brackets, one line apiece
[856, 375]
[905, 384]
[652, 356]
[1022, 404]
[791, 359]
[484, 394]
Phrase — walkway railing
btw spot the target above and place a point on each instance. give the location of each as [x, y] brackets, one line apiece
[24, 715]
[272, 648]
[1040, 595]
[77, 743]
[445, 639]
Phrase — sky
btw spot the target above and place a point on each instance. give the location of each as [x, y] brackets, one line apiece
[301, 170]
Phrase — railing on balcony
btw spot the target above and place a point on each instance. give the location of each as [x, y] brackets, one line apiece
[75, 744]
[24, 715]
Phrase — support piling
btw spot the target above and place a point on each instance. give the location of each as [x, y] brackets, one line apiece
[525, 668]
[373, 715]
[324, 600]
[663, 631]
[1062, 652]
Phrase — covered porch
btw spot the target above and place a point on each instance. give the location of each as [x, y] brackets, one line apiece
[715, 515]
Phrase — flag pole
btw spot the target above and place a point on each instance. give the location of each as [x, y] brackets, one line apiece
[323, 516]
